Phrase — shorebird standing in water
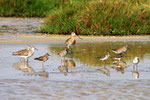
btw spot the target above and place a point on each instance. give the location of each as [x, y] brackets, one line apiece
[135, 71]
[71, 41]
[63, 53]
[25, 53]
[104, 57]
[118, 56]
[43, 58]
[120, 50]
[136, 60]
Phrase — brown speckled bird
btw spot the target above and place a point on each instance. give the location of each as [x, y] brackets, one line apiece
[43, 58]
[63, 53]
[71, 41]
[118, 56]
[120, 50]
[25, 53]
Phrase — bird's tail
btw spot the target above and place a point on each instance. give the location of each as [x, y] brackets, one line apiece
[14, 53]
[36, 58]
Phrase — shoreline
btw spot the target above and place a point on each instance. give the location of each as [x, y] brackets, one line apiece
[49, 38]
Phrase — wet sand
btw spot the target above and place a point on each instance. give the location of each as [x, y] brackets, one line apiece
[44, 38]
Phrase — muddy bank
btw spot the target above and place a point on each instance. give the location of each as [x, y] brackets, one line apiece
[19, 25]
[44, 38]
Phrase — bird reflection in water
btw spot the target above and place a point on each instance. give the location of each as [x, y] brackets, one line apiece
[24, 67]
[104, 70]
[43, 73]
[68, 66]
[135, 72]
[119, 66]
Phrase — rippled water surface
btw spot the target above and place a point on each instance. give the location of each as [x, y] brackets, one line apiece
[80, 76]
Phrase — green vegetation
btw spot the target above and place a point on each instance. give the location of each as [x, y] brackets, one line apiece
[25, 8]
[90, 17]
[86, 17]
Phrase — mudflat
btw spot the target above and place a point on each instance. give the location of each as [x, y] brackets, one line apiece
[44, 38]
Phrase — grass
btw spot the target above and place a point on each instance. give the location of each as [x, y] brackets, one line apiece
[86, 17]
[90, 17]
[25, 8]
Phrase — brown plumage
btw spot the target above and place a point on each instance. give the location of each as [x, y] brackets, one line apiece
[70, 63]
[104, 57]
[71, 41]
[25, 53]
[121, 50]
[118, 56]
[42, 58]
[63, 53]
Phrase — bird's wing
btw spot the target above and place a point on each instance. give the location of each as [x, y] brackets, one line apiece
[67, 41]
[39, 58]
[23, 52]
[101, 56]
[74, 42]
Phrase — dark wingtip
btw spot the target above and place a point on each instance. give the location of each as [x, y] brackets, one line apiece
[35, 58]
[14, 53]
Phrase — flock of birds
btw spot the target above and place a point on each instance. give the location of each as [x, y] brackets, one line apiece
[29, 51]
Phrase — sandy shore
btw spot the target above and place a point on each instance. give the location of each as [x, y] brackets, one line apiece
[44, 38]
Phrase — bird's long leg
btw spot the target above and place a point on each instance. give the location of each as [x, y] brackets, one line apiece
[133, 67]
[20, 60]
[27, 60]
[104, 64]
[61, 60]
[24, 60]
[136, 67]
[64, 59]
[43, 69]
[42, 64]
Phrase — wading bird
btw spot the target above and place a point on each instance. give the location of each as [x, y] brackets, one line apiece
[71, 41]
[104, 57]
[43, 58]
[25, 53]
[120, 50]
[136, 60]
[63, 53]
[118, 56]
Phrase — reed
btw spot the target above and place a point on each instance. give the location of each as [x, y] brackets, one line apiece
[26, 8]
[86, 17]
[90, 17]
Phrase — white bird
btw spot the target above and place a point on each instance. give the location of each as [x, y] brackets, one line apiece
[136, 61]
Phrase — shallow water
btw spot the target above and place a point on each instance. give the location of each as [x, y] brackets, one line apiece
[80, 76]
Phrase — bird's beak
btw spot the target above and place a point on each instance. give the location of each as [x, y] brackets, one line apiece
[79, 37]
